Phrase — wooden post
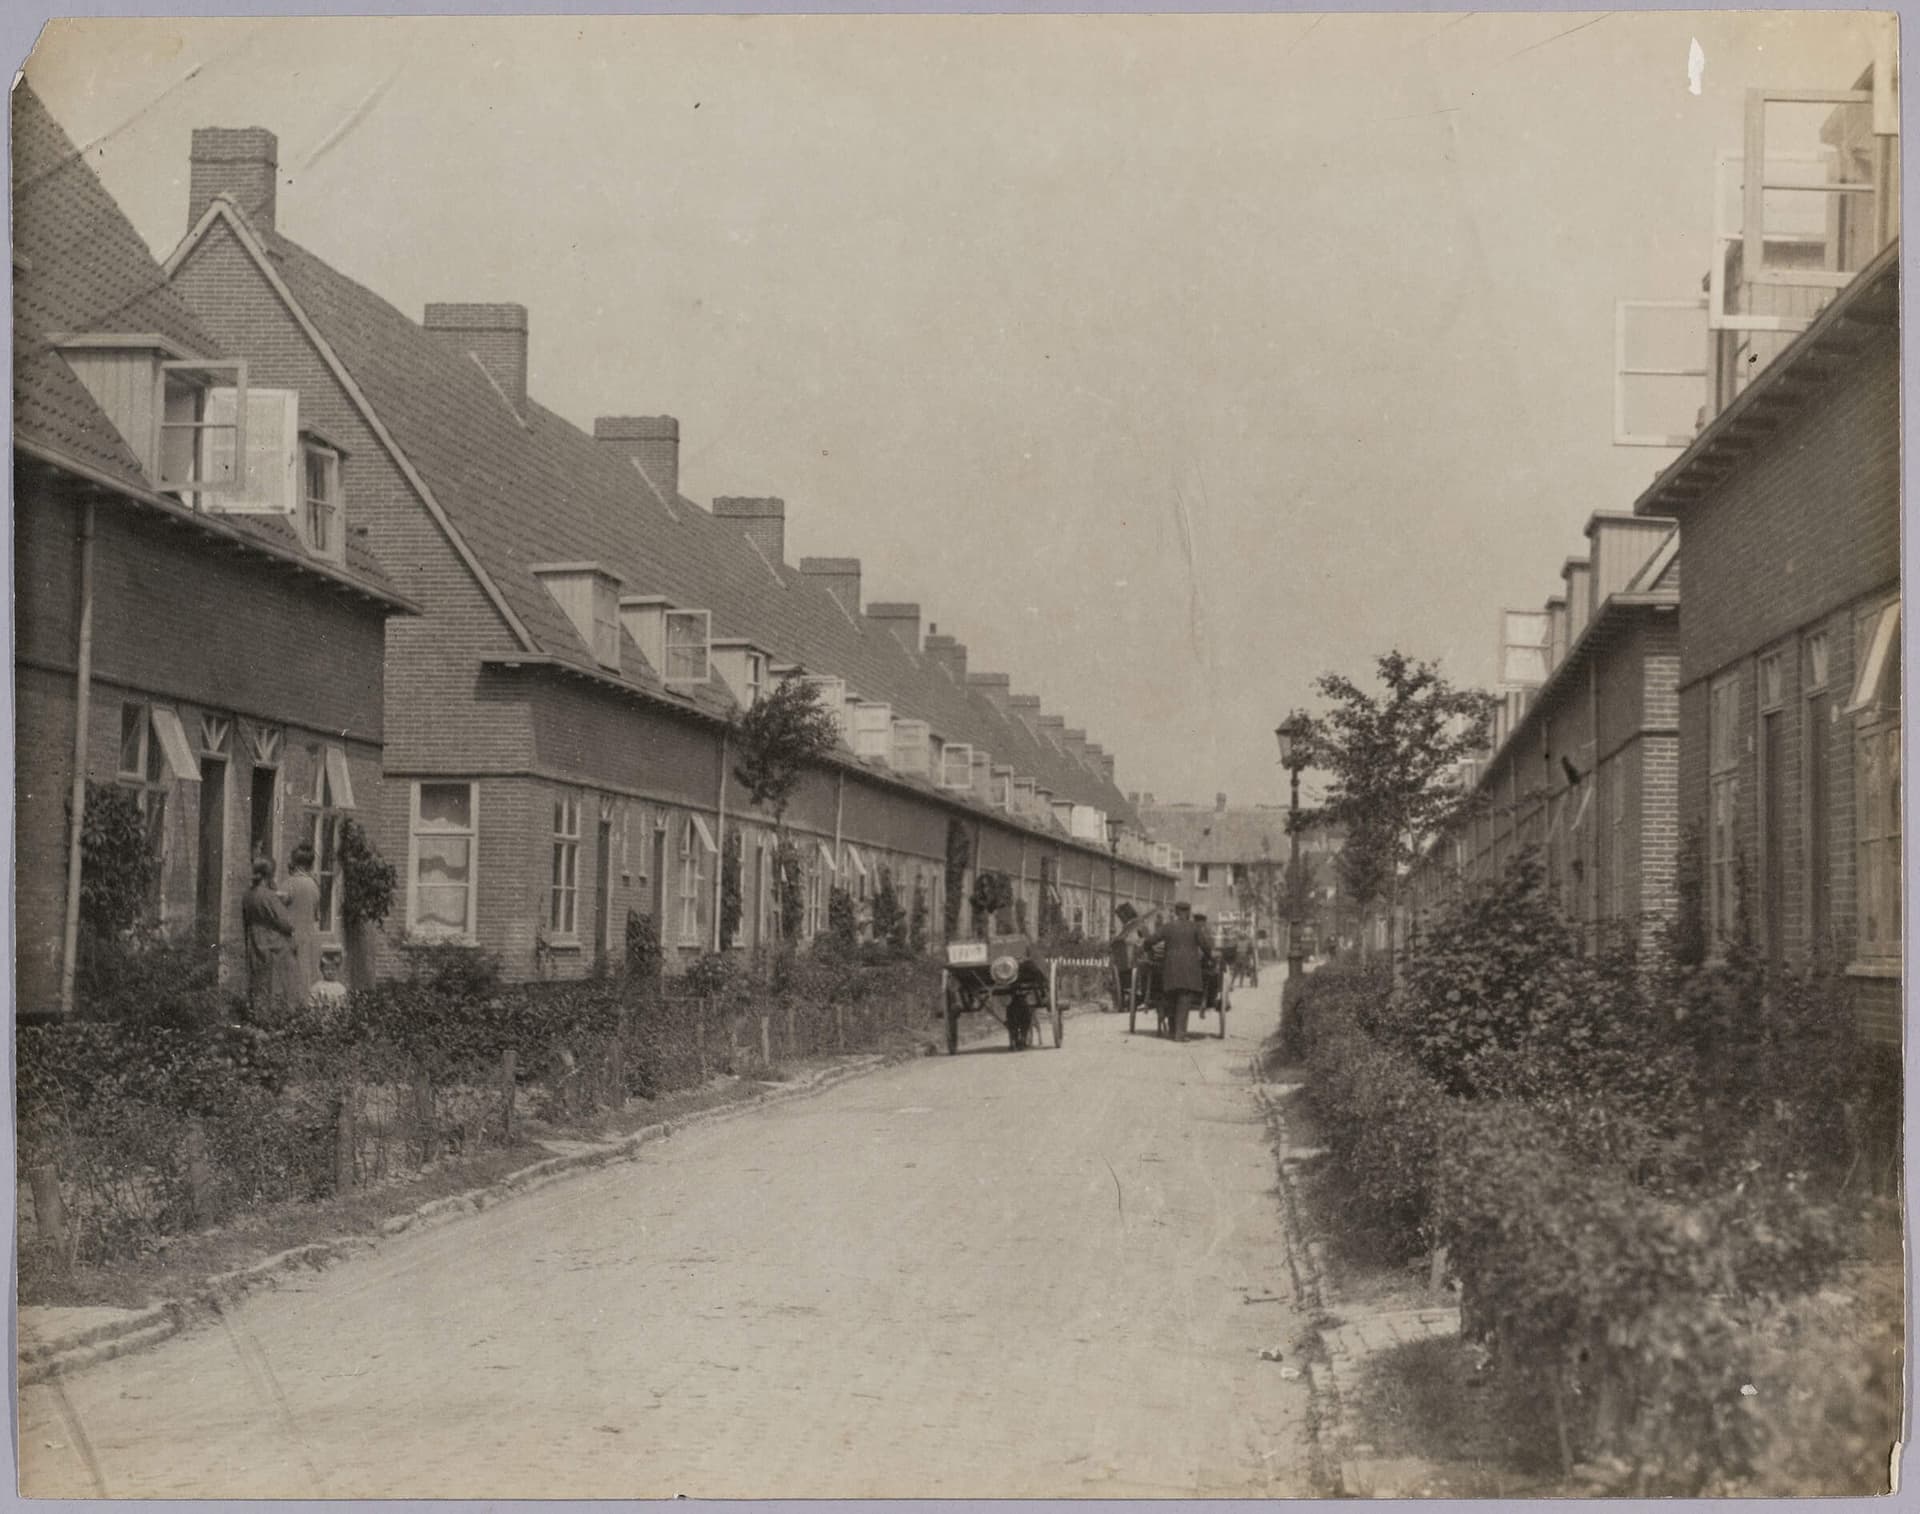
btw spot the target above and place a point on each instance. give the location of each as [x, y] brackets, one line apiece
[766, 1040]
[793, 1048]
[839, 1026]
[509, 1085]
[199, 1174]
[343, 1141]
[700, 1037]
[1437, 1270]
[49, 1212]
[423, 1114]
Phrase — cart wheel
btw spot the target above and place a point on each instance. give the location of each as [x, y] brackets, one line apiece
[953, 1021]
[1058, 1024]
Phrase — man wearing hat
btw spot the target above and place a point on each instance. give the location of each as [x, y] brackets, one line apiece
[1183, 972]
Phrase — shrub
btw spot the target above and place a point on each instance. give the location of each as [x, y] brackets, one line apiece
[643, 945]
[118, 862]
[367, 880]
[842, 937]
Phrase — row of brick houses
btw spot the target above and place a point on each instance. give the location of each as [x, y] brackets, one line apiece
[1746, 738]
[510, 648]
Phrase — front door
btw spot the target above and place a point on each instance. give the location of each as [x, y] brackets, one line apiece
[210, 881]
[265, 788]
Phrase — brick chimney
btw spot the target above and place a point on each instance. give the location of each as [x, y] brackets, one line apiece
[1076, 744]
[652, 441]
[950, 654]
[763, 519]
[839, 576]
[1026, 708]
[996, 686]
[900, 620]
[240, 162]
[496, 335]
[1054, 729]
[1106, 769]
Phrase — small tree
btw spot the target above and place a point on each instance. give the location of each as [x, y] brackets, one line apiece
[959, 856]
[118, 862]
[1388, 756]
[774, 743]
[917, 920]
[889, 920]
[730, 900]
[367, 879]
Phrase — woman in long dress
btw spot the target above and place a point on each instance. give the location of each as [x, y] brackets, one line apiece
[303, 902]
[269, 930]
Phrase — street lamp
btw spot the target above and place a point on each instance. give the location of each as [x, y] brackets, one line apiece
[1295, 735]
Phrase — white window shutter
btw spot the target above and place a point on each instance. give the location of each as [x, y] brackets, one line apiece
[338, 779]
[273, 451]
[174, 744]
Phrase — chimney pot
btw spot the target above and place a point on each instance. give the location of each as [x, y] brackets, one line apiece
[495, 334]
[240, 162]
[652, 441]
[762, 518]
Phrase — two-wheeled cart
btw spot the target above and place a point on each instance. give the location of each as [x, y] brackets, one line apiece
[1145, 996]
[1001, 980]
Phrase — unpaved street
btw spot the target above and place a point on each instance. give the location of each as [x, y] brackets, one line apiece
[1044, 1274]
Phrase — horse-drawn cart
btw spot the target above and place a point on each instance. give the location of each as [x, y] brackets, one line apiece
[1145, 996]
[1000, 979]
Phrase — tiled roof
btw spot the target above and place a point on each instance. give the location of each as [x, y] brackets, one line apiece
[524, 490]
[80, 267]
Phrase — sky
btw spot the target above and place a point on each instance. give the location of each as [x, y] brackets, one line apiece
[1167, 361]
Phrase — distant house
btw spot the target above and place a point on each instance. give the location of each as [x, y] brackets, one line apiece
[206, 638]
[1233, 869]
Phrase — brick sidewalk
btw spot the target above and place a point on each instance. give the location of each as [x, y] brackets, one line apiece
[1349, 1343]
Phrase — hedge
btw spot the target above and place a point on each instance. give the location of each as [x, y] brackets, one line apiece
[157, 1128]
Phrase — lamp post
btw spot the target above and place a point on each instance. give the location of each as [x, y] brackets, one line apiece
[1113, 869]
[1295, 735]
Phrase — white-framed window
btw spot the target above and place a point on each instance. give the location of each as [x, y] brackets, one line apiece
[563, 884]
[320, 472]
[756, 677]
[910, 746]
[443, 860]
[687, 883]
[956, 766]
[268, 480]
[197, 438]
[143, 770]
[1202, 875]
[1723, 801]
[688, 642]
[329, 802]
[1875, 708]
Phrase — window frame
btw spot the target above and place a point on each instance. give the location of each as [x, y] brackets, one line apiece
[668, 646]
[327, 808]
[1877, 821]
[687, 884]
[330, 541]
[1754, 187]
[205, 370]
[466, 935]
[604, 607]
[563, 879]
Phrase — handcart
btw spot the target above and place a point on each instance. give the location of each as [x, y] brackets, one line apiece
[999, 979]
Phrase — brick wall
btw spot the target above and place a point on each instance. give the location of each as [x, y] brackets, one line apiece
[1795, 543]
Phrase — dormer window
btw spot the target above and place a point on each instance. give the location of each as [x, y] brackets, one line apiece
[320, 473]
[756, 677]
[688, 646]
[956, 766]
[199, 438]
[591, 597]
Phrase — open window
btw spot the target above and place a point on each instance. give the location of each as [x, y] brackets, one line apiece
[320, 474]
[264, 426]
[1817, 227]
[199, 439]
[1659, 371]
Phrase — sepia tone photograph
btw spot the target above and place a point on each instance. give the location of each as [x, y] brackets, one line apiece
[1038, 756]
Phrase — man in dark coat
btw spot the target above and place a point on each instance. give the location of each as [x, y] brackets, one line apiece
[1185, 961]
